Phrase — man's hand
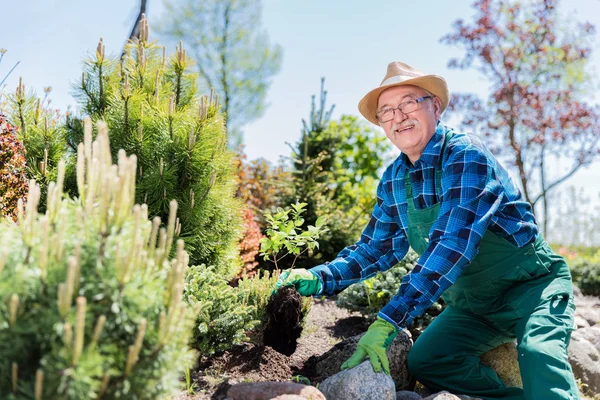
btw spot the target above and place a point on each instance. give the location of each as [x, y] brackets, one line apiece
[374, 344]
[305, 282]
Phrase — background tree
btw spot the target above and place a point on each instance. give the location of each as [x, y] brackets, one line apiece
[232, 53]
[335, 171]
[535, 115]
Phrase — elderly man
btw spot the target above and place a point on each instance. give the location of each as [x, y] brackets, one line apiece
[480, 249]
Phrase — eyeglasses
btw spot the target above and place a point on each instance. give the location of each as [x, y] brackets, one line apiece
[387, 114]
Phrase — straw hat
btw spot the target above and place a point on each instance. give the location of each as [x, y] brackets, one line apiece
[399, 74]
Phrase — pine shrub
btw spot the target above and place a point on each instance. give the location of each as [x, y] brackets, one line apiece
[13, 182]
[150, 105]
[92, 307]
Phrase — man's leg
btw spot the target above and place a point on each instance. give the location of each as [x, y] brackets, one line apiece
[446, 356]
[543, 338]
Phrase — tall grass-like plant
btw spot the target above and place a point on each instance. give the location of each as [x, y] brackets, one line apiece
[91, 305]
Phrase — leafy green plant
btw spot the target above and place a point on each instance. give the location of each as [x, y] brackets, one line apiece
[91, 302]
[369, 296]
[285, 236]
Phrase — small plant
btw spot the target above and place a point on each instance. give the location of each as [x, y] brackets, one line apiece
[223, 318]
[285, 237]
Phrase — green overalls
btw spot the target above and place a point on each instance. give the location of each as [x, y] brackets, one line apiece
[503, 294]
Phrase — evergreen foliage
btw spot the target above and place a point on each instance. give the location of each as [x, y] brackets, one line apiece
[91, 303]
[42, 133]
[224, 318]
[13, 183]
[150, 104]
[370, 296]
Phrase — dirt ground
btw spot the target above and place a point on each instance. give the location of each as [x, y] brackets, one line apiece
[326, 325]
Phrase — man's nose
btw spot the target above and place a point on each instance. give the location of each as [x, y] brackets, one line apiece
[399, 115]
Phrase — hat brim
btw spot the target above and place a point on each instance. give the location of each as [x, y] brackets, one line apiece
[432, 83]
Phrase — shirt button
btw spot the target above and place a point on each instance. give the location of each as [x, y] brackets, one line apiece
[530, 252]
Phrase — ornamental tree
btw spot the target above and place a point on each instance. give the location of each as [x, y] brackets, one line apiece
[535, 115]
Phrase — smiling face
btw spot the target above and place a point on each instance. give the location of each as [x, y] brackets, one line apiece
[410, 132]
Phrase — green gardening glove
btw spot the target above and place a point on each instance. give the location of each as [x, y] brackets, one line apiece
[305, 282]
[374, 344]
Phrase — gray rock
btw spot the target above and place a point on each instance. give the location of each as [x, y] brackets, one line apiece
[273, 390]
[590, 315]
[585, 361]
[504, 360]
[577, 292]
[407, 395]
[449, 396]
[591, 334]
[442, 396]
[330, 362]
[581, 322]
[359, 383]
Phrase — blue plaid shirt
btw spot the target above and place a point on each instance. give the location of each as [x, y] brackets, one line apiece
[477, 194]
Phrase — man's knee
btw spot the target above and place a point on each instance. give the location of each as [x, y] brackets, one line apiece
[418, 359]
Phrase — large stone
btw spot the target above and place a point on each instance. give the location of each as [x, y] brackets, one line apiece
[584, 358]
[442, 396]
[505, 361]
[407, 395]
[581, 322]
[359, 383]
[330, 362]
[591, 334]
[449, 396]
[589, 314]
[273, 390]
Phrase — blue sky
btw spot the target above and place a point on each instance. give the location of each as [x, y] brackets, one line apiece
[348, 42]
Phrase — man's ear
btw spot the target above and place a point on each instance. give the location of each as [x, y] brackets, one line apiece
[437, 107]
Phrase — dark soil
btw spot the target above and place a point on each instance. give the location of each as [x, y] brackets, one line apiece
[325, 326]
[284, 321]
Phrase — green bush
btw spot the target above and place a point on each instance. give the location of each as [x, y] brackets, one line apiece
[586, 274]
[91, 304]
[368, 297]
[224, 314]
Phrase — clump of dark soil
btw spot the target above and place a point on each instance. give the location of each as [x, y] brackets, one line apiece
[284, 321]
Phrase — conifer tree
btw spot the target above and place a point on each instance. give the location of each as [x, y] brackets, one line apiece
[149, 102]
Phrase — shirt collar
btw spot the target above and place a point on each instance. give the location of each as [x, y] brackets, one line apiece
[431, 153]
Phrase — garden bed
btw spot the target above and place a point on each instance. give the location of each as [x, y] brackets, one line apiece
[326, 325]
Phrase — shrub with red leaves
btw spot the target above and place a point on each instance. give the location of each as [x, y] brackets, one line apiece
[13, 182]
[250, 244]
